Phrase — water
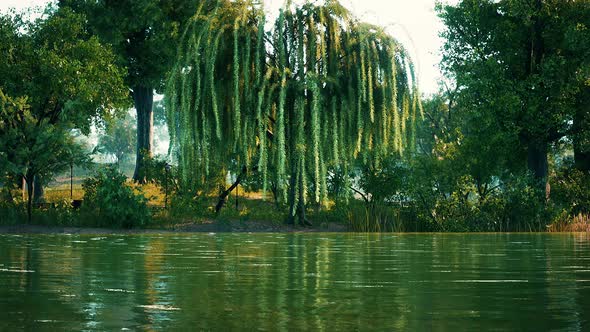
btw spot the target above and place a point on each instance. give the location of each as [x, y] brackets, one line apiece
[314, 282]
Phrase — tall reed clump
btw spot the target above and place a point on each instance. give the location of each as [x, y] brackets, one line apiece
[376, 218]
[577, 223]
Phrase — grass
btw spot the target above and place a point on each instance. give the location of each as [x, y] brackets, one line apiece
[375, 218]
[61, 193]
[579, 223]
[252, 206]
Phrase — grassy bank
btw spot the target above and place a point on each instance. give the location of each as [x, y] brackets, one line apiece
[249, 212]
[252, 213]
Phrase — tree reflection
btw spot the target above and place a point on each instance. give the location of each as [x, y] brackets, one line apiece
[295, 281]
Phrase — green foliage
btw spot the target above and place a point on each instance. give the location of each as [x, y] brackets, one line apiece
[294, 72]
[183, 201]
[570, 191]
[520, 68]
[59, 214]
[317, 106]
[252, 210]
[143, 33]
[31, 147]
[339, 185]
[118, 139]
[67, 75]
[524, 208]
[112, 203]
[385, 182]
[455, 181]
[11, 214]
[62, 78]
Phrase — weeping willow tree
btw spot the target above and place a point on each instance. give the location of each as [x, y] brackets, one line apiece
[318, 91]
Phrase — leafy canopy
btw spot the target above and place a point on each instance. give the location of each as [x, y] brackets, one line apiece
[67, 75]
[520, 66]
[118, 138]
[143, 33]
[29, 147]
[317, 91]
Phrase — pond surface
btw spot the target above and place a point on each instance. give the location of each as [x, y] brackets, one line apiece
[314, 282]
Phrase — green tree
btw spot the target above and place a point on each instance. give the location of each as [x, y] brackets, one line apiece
[319, 90]
[118, 138]
[143, 34]
[522, 67]
[31, 148]
[462, 174]
[67, 77]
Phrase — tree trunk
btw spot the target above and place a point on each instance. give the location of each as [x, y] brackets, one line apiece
[297, 212]
[537, 160]
[291, 200]
[275, 194]
[538, 165]
[537, 152]
[581, 157]
[224, 194]
[30, 189]
[38, 190]
[302, 219]
[143, 99]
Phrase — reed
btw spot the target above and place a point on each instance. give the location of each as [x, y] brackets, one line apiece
[578, 223]
[375, 219]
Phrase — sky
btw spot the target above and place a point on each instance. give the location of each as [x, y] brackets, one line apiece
[413, 22]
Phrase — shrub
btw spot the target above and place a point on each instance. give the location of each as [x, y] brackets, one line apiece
[524, 206]
[571, 191]
[11, 214]
[112, 202]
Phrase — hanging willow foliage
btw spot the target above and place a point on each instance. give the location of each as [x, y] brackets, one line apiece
[318, 91]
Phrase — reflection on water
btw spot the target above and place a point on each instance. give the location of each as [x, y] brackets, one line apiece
[296, 282]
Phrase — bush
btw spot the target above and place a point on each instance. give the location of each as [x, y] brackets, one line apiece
[11, 214]
[571, 191]
[512, 203]
[524, 205]
[112, 202]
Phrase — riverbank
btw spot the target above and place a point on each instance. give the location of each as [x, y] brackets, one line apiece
[220, 227]
[203, 227]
